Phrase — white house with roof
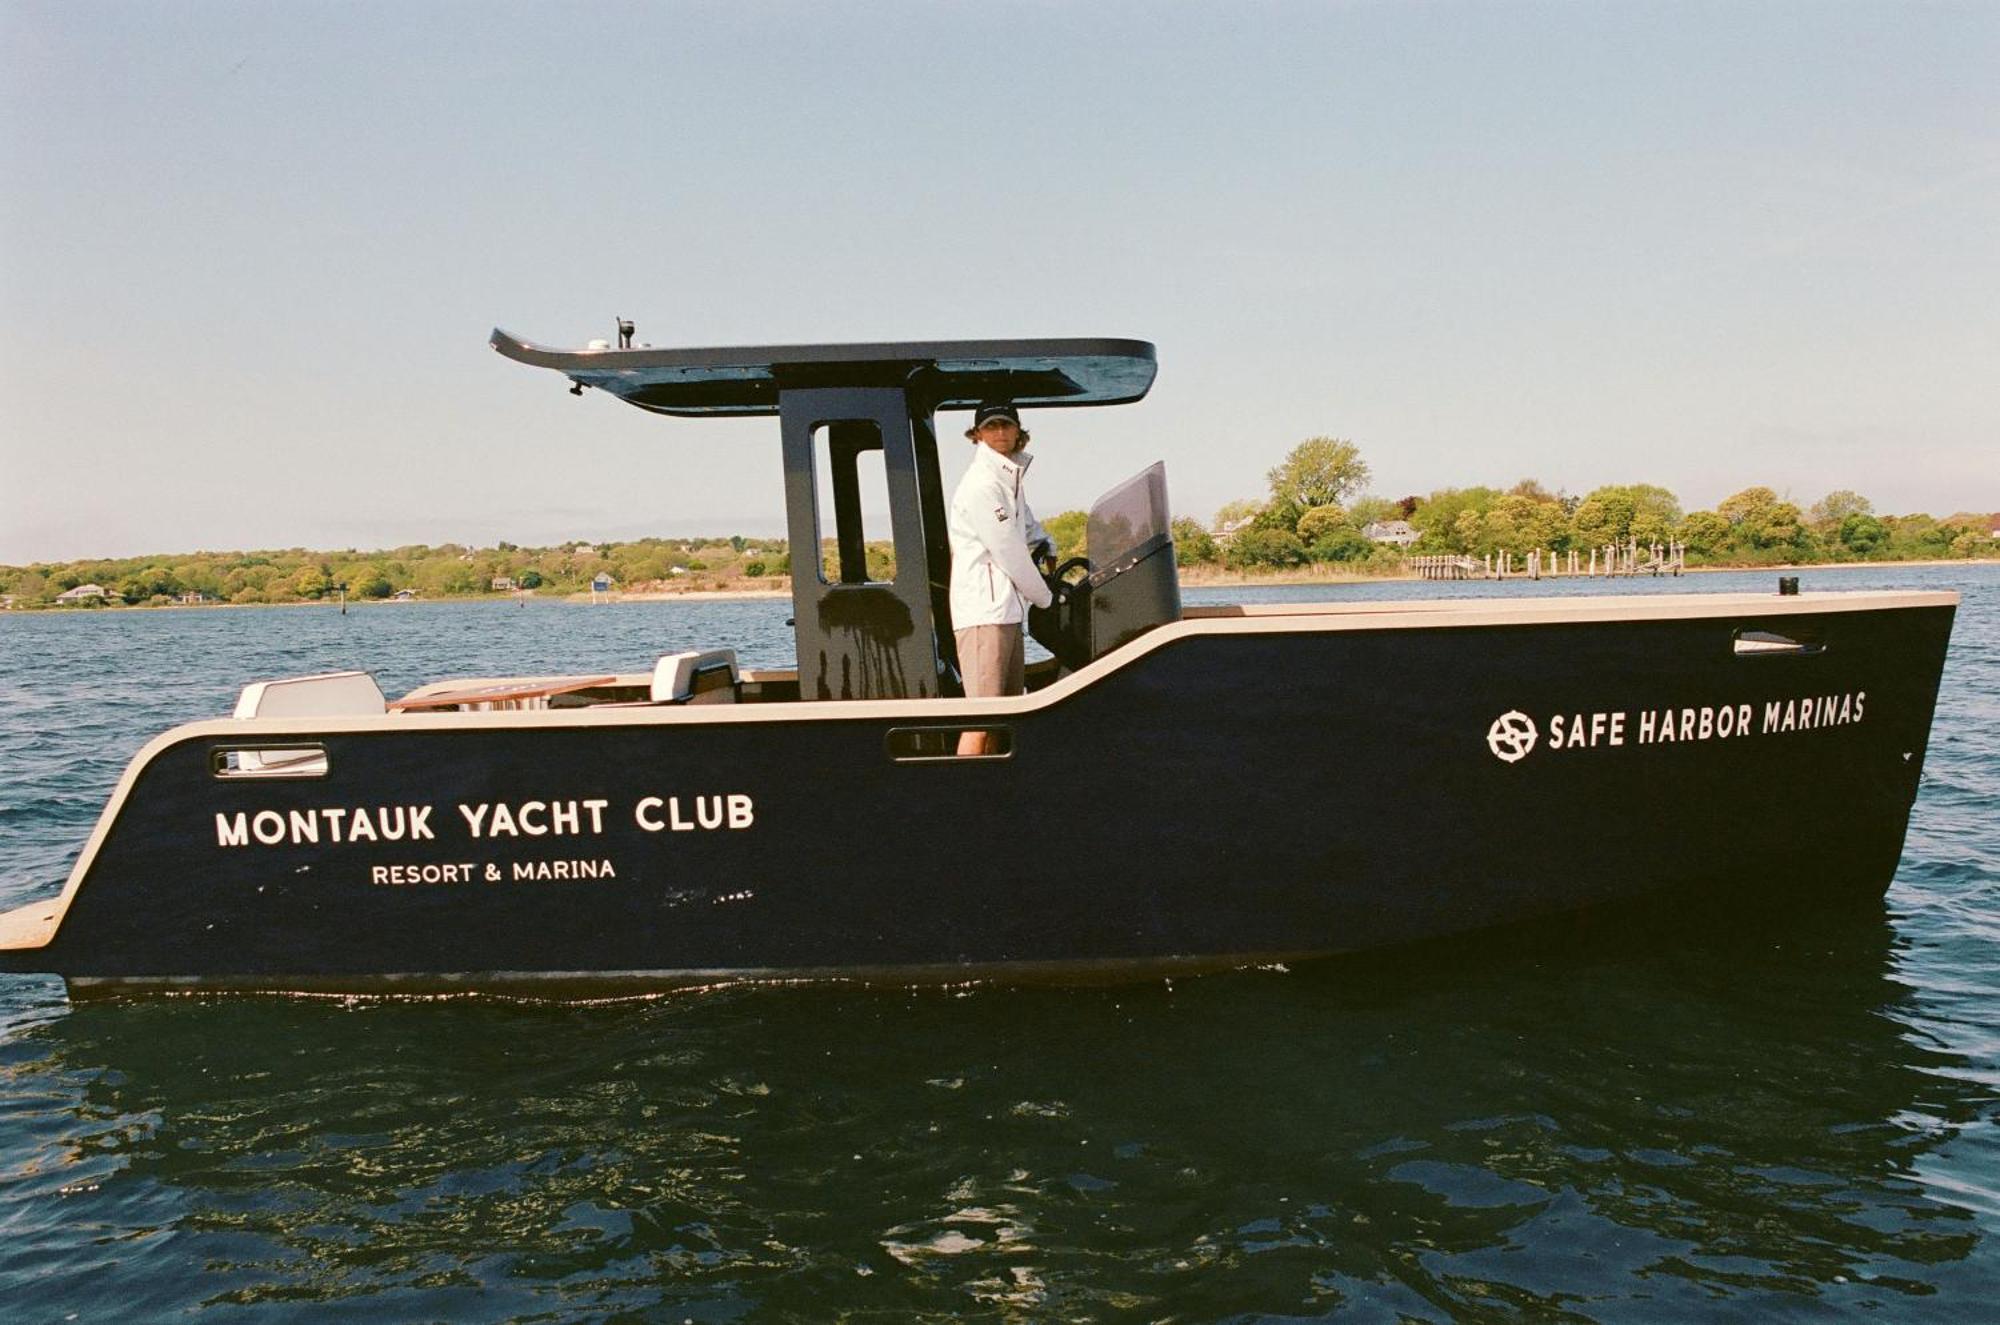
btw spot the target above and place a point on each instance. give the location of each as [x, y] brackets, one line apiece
[83, 593]
[1396, 532]
[1226, 532]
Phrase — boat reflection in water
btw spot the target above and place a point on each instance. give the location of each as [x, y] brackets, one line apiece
[1595, 1123]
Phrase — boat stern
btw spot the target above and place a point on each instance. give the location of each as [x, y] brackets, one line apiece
[26, 932]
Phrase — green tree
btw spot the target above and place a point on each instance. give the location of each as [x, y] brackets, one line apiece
[446, 577]
[1340, 542]
[1280, 516]
[1705, 532]
[1650, 501]
[1521, 524]
[1266, 547]
[1619, 511]
[530, 579]
[1805, 544]
[31, 586]
[1546, 524]
[147, 583]
[1320, 521]
[312, 582]
[1830, 512]
[1436, 518]
[202, 576]
[1320, 471]
[1759, 521]
[1364, 511]
[1861, 533]
[1068, 529]
[1748, 505]
[1918, 536]
[1193, 545]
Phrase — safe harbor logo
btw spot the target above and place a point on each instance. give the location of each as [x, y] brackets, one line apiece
[1514, 734]
[1511, 736]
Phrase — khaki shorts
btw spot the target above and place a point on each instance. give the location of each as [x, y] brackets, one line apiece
[992, 660]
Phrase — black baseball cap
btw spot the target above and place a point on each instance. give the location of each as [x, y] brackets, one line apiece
[995, 409]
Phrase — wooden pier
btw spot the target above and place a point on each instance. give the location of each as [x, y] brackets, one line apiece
[1610, 560]
[1445, 568]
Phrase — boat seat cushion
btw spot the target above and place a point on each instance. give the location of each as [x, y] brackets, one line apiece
[328, 695]
[696, 677]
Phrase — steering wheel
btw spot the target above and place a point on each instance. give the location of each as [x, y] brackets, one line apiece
[1053, 626]
[1060, 586]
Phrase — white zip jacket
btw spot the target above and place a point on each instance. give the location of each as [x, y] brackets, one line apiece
[992, 530]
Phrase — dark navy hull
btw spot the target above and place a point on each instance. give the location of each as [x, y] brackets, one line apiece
[1220, 798]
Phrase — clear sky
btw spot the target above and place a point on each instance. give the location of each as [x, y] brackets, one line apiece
[250, 253]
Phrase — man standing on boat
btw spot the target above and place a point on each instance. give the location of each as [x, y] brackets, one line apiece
[995, 541]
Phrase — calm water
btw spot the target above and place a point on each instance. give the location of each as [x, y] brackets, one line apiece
[1764, 1125]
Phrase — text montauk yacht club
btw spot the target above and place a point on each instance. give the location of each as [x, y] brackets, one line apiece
[481, 821]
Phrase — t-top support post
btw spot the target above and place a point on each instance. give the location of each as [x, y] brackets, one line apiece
[859, 637]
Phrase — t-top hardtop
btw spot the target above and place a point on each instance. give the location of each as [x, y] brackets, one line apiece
[857, 637]
[936, 374]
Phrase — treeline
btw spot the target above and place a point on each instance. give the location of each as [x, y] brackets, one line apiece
[446, 571]
[1316, 511]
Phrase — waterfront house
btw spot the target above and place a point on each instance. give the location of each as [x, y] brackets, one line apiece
[1226, 532]
[504, 584]
[600, 583]
[83, 593]
[1396, 532]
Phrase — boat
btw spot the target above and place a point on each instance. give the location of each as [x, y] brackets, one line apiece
[1182, 788]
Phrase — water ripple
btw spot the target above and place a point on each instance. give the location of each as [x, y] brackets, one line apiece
[1791, 1122]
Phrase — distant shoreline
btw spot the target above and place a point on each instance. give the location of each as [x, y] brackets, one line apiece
[1197, 581]
[1299, 578]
